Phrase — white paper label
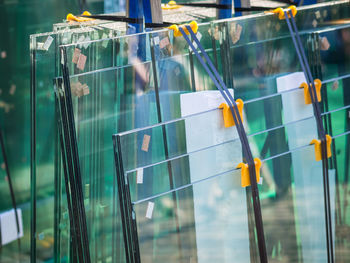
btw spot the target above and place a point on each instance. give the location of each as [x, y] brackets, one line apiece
[139, 176]
[199, 36]
[260, 180]
[62, 58]
[9, 231]
[149, 211]
[156, 40]
[86, 45]
[80, 39]
[104, 43]
[48, 43]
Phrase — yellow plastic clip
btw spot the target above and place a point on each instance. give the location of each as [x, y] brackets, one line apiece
[227, 114]
[307, 97]
[245, 178]
[280, 12]
[170, 5]
[177, 32]
[71, 17]
[318, 148]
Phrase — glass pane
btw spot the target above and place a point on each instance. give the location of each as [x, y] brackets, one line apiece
[212, 223]
[135, 81]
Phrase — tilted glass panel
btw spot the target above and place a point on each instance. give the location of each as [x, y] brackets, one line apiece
[340, 197]
[157, 170]
[45, 67]
[296, 211]
[204, 124]
[90, 109]
[167, 228]
[212, 223]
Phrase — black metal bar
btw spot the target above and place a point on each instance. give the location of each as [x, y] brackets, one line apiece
[33, 158]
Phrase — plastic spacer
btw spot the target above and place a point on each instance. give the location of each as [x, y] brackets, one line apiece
[170, 5]
[71, 17]
[307, 97]
[318, 147]
[245, 178]
[177, 32]
[280, 12]
[227, 114]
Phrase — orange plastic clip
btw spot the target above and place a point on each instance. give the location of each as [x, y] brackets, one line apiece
[245, 178]
[307, 97]
[318, 147]
[227, 114]
[71, 17]
[280, 12]
[177, 32]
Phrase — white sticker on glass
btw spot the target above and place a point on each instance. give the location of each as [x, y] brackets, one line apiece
[149, 212]
[139, 176]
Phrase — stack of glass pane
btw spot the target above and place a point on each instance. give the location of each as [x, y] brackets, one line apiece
[179, 162]
[45, 66]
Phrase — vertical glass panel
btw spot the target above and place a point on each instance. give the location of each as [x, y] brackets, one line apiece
[212, 223]
[45, 67]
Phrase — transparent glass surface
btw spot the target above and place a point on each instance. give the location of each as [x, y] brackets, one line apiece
[341, 165]
[18, 20]
[292, 199]
[190, 221]
[212, 223]
[45, 67]
[134, 81]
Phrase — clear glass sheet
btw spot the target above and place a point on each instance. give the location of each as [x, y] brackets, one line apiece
[174, 71]
[212, 223]
[340, 164]
[212, 214]
[18, 20]
[220, 28]
[296, 210]
[91, 111]
[157, 170]
[45, 67]
[207, 129]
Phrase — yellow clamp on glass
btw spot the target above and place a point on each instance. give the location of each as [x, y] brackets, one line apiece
[245, 178]
[306, 87]
[318, 147]
[177, 32]
[280, 12]
[71, 17]
[227, 114]
[170, 5]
